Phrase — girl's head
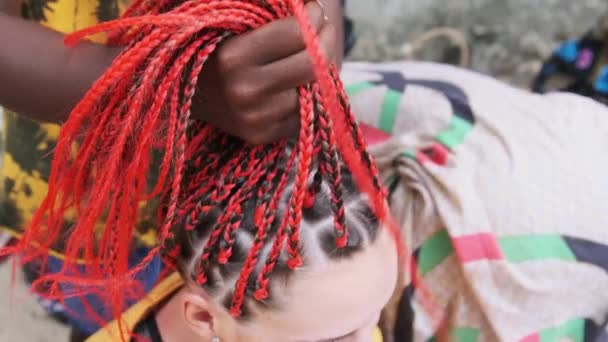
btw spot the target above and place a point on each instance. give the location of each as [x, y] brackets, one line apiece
[336, 294]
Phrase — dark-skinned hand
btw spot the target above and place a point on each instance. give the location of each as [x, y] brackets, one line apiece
[248, 88]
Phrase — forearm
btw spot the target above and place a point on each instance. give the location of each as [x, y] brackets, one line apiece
[10, 7]
[39, 76]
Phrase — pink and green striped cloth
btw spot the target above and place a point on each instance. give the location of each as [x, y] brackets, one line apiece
[502, 194]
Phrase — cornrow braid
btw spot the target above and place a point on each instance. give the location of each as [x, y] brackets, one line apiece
[359, 141]
[263, 219]
[333, 172]
[213, 188]
[226, 249]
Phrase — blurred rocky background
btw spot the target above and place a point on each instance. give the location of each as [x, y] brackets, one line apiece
[507, 38]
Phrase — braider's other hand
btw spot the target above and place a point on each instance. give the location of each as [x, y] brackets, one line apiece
[248, 86]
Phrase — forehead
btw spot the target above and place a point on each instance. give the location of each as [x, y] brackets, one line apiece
[333, 299]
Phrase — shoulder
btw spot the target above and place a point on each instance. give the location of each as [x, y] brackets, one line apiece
[140, 311]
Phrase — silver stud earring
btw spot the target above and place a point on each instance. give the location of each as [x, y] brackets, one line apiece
[215, 339]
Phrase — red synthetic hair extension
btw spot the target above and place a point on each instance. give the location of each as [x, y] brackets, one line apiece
[141, 105]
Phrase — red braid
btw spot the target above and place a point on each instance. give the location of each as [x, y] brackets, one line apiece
[305, 146]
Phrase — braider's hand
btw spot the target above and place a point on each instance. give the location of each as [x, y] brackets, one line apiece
[248, 86]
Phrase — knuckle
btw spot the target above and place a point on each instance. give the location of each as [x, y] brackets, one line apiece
[243, 92]
[293, 31]
[228, 58]
[249, 118]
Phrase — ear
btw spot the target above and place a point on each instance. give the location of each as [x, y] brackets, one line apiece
[198, 314]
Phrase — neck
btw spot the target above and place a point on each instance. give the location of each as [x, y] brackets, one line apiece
[169, 319]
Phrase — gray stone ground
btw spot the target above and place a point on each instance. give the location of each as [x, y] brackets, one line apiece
[21, 318]
[508, 39]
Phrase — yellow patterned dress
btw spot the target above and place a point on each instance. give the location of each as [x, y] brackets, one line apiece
[27, 145]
